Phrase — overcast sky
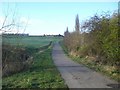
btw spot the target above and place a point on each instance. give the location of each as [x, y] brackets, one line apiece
[51, 17]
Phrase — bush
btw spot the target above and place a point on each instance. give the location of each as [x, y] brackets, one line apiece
[12, 59]
[99, 39]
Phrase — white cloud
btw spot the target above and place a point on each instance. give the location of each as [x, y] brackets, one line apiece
[1, 21]
[23, 20]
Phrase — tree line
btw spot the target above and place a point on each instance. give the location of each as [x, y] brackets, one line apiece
[97, 37]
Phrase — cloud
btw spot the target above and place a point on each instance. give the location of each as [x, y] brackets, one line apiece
[23, 20]
[1, 21]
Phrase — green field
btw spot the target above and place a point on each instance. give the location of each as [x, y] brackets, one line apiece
[31, 41]
[42, 73]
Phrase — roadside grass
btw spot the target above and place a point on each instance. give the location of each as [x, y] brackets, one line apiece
[107, 70]
[110, 71]
[41, 74]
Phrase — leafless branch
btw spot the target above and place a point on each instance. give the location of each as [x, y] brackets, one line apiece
[6, 26]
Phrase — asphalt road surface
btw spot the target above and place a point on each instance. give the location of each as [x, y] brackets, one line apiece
[78, 76]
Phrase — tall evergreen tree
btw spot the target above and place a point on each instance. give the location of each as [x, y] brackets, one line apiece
[66, 32]
[77, 25]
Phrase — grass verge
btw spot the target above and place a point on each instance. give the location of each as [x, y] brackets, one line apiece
[107, 70]
[41, 74]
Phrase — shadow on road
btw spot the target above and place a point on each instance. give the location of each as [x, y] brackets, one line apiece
[114, 85]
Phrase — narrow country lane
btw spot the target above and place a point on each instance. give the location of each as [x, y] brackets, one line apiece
[77, 75]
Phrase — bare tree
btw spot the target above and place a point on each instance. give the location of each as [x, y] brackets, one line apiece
[12, 21]
[8, 23]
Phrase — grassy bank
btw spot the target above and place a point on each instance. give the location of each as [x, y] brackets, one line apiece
[17, 51]
[110, 71]
[41, 71]
[16, 59]
[41, 74]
